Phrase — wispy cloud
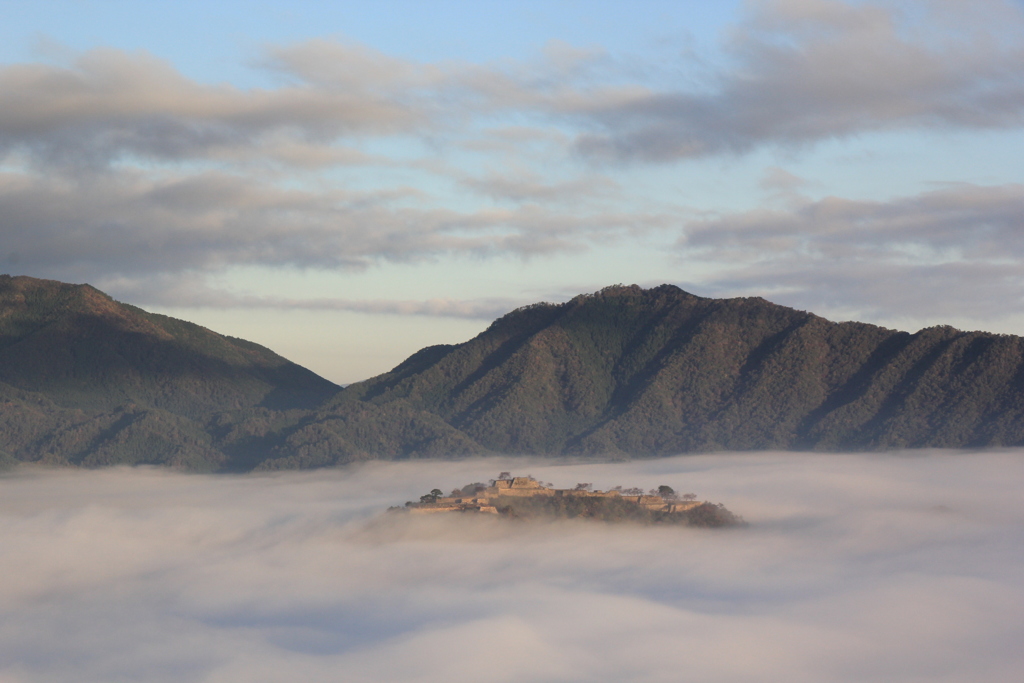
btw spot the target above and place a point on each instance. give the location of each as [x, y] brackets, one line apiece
[801, 71]
[795, 72]
[109, 104]
[130, 222]
[530, 187]
[191, 291]
[115, 164]
[958, 221]
[882, 259]
[884, 567]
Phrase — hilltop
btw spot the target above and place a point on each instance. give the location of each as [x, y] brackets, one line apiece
[623, 372]
[527, 498]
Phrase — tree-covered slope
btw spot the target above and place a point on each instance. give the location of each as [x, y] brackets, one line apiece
[85, 379]
[85, 350]
[623, 372]
[641, 372]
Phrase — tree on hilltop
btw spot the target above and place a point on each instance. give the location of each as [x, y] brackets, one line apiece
[432, 496]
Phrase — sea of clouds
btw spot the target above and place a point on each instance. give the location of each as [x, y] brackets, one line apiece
[895, 567]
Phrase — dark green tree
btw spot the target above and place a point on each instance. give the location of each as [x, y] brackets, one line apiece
[432, 496]
[666, 492]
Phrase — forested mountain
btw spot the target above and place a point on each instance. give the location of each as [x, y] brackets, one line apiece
[629, 372]
[623, 372]
[85, 379]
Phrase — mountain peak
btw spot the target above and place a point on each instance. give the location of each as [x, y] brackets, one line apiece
[621, 290]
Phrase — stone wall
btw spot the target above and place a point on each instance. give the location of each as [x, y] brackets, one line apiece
[683, 507]
[527, 492]
[586, 494]
[427, 509]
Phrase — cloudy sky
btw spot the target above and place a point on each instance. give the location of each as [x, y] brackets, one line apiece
[853, 568]
[348, 182]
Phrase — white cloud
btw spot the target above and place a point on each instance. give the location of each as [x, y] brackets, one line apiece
[879, 567]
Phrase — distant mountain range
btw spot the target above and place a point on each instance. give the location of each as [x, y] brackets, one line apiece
[625, 372]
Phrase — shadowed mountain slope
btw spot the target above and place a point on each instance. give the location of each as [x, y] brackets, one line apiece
[628, 371]
[86, 379]
[85, 350]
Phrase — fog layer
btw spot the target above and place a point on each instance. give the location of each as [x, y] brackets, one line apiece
[853, 568]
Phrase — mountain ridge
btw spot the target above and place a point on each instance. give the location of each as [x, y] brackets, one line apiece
[622, 372]
[649, 372]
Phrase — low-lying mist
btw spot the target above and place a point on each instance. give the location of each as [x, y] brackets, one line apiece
[895, 567]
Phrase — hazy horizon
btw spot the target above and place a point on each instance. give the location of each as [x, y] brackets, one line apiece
[900, 567]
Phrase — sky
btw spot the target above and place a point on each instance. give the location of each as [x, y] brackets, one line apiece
[349, 182]
[883, 567]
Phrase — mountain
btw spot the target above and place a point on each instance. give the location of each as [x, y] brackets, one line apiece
[634, 372]
[624, 372]
[87, 380]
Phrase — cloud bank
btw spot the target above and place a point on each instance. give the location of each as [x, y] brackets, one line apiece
[114, 166]
[117, 166]
[881, 567]
[792, 72]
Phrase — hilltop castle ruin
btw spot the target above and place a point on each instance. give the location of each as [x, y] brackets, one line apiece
[491, 499]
